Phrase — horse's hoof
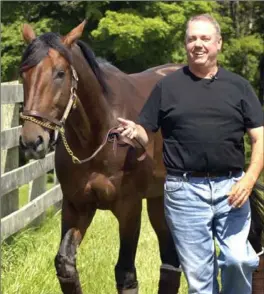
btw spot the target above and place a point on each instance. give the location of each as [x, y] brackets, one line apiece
[169, 279]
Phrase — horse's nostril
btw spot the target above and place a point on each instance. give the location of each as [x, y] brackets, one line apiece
[39, 141]
[36, 145]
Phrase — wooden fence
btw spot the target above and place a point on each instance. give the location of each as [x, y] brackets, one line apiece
[13, 177]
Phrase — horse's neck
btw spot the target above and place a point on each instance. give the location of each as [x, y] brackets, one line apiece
[91, 118]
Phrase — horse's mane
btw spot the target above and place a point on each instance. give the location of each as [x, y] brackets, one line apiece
[93, 62]
[40, 46]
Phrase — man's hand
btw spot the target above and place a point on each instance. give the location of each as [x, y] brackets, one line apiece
[127, 128]
[241, 191]
[132, 130]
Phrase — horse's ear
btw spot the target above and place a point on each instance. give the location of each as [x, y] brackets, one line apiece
[74, 34]
[28, 33]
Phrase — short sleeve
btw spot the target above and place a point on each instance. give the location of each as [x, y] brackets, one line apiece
[149, 115]
[252, 110]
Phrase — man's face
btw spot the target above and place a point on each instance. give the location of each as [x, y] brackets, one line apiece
[202, 43]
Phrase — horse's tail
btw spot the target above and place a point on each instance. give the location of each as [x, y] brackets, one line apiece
[256, 235]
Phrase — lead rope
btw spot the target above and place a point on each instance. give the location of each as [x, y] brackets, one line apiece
[75, 159]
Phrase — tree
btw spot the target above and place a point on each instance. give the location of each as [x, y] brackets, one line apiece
[43, 16]
[152, 33]
[135, 35]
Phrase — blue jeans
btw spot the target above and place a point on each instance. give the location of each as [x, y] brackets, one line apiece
[197, 212]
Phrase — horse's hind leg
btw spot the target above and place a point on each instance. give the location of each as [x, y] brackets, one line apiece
[170, 273]
[129, 217]
[74, 225]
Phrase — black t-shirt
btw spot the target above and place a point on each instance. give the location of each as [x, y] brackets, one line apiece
[202, 121]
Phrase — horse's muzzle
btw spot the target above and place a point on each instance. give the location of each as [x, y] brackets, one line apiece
[33, 149]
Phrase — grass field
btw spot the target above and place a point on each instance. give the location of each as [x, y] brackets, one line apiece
[27, 263]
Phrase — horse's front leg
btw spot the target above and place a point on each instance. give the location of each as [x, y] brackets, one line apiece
[128, 214]
[170, 272]
[74, 225]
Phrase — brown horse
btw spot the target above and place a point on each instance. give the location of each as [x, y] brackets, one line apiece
[62, 79]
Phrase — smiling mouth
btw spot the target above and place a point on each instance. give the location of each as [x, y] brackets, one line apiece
[198, 54]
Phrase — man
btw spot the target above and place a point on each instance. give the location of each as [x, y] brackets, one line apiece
[203, 111]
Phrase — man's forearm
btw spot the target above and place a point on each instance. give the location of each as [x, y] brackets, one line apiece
[141, 135]
[256, 162]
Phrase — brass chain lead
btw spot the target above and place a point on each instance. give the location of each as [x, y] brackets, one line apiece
[61, 130]
[67, 147]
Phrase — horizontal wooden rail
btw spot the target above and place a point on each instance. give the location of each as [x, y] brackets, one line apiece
[24, 174]
[22, 217]
[10, 137]
[11, 94]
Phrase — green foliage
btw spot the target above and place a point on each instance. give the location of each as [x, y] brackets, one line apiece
[43, 16]
[242, 55]
[147, 36]
[13, 45]
[135, 35]
[247, 144]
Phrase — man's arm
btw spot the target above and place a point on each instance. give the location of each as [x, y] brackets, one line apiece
[257, 153]
[242, 189]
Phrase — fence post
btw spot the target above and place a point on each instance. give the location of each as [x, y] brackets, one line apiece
[10, 157]
[58, 205]
[36, 188]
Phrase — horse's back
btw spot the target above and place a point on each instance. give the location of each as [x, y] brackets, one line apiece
[133, 90]
[146, 80]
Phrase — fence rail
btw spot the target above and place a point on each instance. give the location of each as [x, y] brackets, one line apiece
[24, 216]
[13, 176]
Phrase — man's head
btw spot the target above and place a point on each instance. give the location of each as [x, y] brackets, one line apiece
[203, 41]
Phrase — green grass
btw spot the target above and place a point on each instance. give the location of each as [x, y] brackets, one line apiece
[27, 263]
[23, 193]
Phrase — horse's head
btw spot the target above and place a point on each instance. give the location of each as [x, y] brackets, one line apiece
[49, 83]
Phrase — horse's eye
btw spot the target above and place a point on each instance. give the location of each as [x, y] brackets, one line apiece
[60, 74]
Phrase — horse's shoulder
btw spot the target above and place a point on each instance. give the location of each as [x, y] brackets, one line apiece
[166, 69]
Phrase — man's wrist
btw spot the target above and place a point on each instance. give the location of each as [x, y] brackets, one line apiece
[251, 176]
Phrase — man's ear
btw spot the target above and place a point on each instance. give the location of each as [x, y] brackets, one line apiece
[219, 44]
